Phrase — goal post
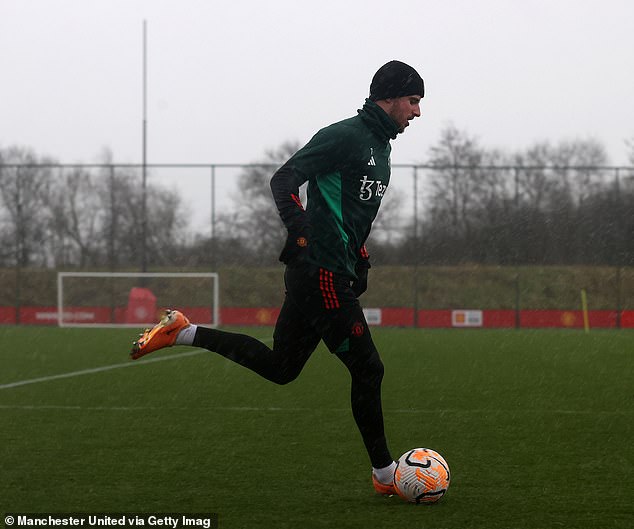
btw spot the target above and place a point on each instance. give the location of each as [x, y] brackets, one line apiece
[134, 299]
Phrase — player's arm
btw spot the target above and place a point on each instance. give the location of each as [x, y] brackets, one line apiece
[326, 152]
[285, 185]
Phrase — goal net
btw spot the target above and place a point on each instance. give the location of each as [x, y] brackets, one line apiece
[122, 299]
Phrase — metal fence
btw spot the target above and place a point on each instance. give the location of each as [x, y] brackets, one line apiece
[452, 225]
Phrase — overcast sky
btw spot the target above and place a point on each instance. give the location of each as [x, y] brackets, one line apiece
[229, 80]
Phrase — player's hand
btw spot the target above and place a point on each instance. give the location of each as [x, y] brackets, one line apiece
[295, 247]
[360, 285]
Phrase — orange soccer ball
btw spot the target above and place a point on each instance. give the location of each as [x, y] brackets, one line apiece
[421, 476]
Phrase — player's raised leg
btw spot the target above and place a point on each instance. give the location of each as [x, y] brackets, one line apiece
[294, 340]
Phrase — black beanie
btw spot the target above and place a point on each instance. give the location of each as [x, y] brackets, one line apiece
[396, 79]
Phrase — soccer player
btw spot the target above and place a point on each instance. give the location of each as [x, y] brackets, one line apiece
[347, 167]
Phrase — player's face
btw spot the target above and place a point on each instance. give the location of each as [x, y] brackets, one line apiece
[404, 109]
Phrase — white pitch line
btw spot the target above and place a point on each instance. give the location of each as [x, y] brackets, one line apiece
[106, 368]
[99, 369]
[161, 408]
[259, 409]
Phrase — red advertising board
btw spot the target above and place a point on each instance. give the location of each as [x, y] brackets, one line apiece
[389, 317]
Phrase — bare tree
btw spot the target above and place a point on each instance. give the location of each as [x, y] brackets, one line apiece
[554, 183]
[166, 222]
[75, 215]
[454, 187]
[21, 198]
[253, 217]
[465, 193]
[555, 174]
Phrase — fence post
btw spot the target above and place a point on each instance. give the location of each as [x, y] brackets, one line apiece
[516, 258]
[112, 234]
[144, 217]
[518, 314]
[111, 247]
[212, 246]
[416, 247]
[620, 251]
[18, 245]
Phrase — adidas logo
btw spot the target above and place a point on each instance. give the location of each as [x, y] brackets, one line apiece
[371, 162]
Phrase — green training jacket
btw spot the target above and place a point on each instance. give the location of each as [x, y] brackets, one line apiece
[347, 167]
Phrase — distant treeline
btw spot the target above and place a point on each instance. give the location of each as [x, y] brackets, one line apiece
[550, 204]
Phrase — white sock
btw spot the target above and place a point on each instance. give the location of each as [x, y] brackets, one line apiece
[186, 336]
[385, 474]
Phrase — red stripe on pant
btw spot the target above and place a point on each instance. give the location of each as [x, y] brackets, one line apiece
[327, 287]
[333, 291]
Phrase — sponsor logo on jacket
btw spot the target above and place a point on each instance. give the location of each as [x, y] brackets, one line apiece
[370, 188]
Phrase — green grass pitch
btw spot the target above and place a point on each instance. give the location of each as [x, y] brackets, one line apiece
[535, 425]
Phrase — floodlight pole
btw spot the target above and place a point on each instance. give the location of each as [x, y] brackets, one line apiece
[144, 164]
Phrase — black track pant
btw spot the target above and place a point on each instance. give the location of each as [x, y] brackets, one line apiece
[318, 305]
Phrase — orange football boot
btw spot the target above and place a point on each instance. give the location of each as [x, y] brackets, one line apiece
[387, 489]
[163, 334]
